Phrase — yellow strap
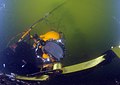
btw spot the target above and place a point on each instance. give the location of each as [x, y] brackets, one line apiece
[38, 78]
[83, 66]
[116, 50]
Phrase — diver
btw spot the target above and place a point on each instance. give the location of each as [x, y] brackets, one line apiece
[49, 48]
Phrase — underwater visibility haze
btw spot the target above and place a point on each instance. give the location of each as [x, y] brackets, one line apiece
[90, 27]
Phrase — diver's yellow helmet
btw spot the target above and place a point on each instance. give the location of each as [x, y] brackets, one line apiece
[50, 35]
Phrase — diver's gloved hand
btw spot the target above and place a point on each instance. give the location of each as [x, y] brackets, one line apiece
[42, 42]
[35, 36]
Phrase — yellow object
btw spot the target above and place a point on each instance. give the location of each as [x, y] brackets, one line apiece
[83, 66]
[116, 50]
[34, 45]
[36, 78]
[57, 66]
[50, 35]
[45, 56]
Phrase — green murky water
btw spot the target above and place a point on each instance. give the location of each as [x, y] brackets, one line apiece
[89, 26]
